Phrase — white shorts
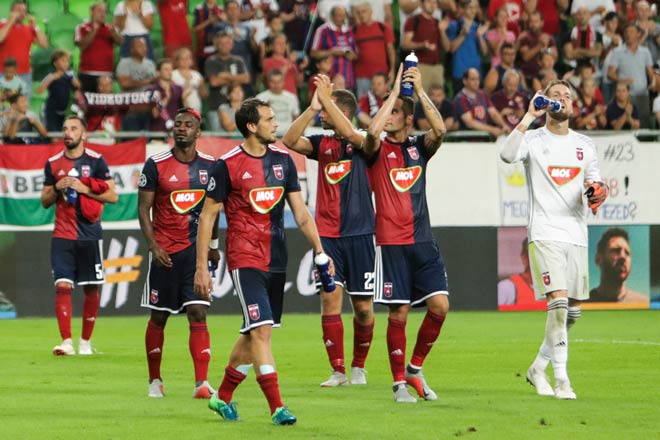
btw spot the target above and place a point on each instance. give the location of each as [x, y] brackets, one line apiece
[559, 266]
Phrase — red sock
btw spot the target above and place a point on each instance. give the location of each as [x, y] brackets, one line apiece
[396, 346]
[268, 384]
[90, 310]
[200, 349]
[333, 339]
[362, 336]
[63, 310]
[428, 333]
[154, 345]
[230, 381]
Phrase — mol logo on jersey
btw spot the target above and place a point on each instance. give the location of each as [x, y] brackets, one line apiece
[186, 199]
[336, 171]
[404, 178]
[265, 199]
[563, 175]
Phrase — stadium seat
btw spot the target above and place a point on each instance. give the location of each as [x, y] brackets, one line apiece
[41, 63]
[37, 101]
[5, 6]
[62, 39]
[45, 9]
[62, 22]
[80, 8]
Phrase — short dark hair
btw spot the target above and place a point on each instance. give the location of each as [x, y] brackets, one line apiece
[248, 113]
[10, 62]
[608, 235]
[13, 99]
[77, 118]
[408, 105]
[274, 72]
[57, 54]
[161, 62]
[346, 101]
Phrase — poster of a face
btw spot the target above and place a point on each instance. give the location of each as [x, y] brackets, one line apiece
[655, 266]
[619, 270]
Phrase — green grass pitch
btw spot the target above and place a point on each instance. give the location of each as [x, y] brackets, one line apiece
[477, 367]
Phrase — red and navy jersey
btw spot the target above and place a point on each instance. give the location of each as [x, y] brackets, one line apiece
[253, 191]
[343, 196]
[180, 189]
[69, 221]
[398, 177]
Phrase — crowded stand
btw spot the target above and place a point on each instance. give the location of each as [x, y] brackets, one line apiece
[481, 61]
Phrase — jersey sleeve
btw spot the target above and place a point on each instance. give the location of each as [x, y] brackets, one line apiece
[102, 171]
[149, 177]
[220, 183]
[48, 172]
[591, 171]
[292, 183]
[315, 140]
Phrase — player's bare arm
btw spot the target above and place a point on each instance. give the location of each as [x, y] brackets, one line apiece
[145, 203]
[511, 145]
[109, 196]
[214, 253]
[343, 126]
[207, 223]
[49, 196]
[433, 137]
[293, 138]
[372, 141]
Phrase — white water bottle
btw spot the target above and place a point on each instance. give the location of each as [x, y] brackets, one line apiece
[322, 262]
[72, 194]
[407, 87]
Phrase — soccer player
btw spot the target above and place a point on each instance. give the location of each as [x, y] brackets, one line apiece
[76, 244]
[560, 165]
[345, 220]
[172, 189]
[251, 182]
[409, 268]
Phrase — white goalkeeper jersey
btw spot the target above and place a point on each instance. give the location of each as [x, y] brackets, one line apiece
[556, 168]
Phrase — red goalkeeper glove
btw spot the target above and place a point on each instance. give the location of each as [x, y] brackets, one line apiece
[596, 194]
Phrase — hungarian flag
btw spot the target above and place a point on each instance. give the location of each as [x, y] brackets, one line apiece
[22, 178]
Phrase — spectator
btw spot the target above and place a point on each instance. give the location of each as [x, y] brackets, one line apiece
[221, 71]
[407, 8]
[375, 47]
[296, 15]
[227, 111]
[107, 120]
[549, 11]
[284, 104]
[596, 11]
[588, 110]
[656, 104]
[275, 28]
[336, 38]
[650, 35]
[323, 67]
[254, 14]
[20, 119]
[532, 43]
[622, 113]
[134, 18]
[422, 34]
[577, 76]
[438, 96]
[633, 65]
[16, 39]
[586, 43]
[611, 40]
[192, 82]
[293, 77]
[498, 36]
[370, 102]
[546, 64]
[625, 10]
[134, 74]
[206, 24]
[514, 14]
[59, 85]
[169, 98]
[381, 12]
[493, 81]
[474, 108]
[96, 41]
[243, 35]
[510, 101]
[465, 40]
[10, 84]
[174, 25]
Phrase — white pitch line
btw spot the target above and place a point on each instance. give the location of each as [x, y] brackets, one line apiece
[616, 341]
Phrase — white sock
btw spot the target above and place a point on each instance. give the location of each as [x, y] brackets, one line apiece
[245, 368]
[543, 357]
[556, 334]
[574, 314]
[266, 369]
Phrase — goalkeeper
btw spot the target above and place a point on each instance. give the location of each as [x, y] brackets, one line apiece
[564, 184]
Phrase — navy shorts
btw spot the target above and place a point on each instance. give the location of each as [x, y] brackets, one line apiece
[77, 261]
[171, 289]
[409, 274]
[261, 295]
[354, 263]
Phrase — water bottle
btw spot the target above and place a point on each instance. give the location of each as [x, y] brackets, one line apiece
[72, 194]
[322, 262]
[212, 268]
[407, 87]
[543, 102]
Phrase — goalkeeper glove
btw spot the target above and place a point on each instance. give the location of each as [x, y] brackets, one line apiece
[596, 194]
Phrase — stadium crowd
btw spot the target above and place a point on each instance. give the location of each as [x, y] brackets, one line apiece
[481, 61]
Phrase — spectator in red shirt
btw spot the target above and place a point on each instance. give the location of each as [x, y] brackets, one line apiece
[549, 11]
[589, 111]
[16, 38]
[375, 47]
[474, 109]
[531, 43]
[208, 17]
[509, 101]
[323, 67]
[371, 101]
[96, 38]
[175, 30]
[293, 77]
[422, 34]
[514, 9]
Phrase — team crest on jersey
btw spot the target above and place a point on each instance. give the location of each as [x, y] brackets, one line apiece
[85, 171]
[186, 199]
[563, 175]
[413, 153]
[546, 278]
[387, 290]
[336, 171]
[253, 311]
[580, 153]
[404, 178]
[278, 171]
[153, 296]
[203, 176]
[265, 199]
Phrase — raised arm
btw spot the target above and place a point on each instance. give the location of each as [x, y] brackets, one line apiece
[510, 151]
[372, 141]
[293, 138]
[342, 125]
[433, 137]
